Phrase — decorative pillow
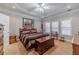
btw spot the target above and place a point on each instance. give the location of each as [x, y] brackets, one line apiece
[33, 30]
[32, 41]
[26, 32]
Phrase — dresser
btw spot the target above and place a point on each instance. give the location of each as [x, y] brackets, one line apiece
[44, 44]
[76, 45]
[1, 39]
[1, 44]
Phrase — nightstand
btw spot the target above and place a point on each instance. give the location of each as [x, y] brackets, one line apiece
[12, 39]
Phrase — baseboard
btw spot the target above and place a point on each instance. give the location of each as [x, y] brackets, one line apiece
[69, 41]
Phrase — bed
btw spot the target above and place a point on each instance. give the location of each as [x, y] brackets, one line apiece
[28, 39]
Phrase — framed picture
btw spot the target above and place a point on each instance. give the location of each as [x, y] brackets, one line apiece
[28, 23]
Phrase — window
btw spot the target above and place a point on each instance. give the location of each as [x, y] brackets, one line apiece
[55, 26]
[47, 27]
[66, 27]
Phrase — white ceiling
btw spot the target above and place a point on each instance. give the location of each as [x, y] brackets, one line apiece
[38, 9]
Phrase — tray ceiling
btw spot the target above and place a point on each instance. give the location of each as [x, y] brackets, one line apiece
[39, 9]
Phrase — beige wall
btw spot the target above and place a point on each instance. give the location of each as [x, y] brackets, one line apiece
[15, 24]
[37, 25]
